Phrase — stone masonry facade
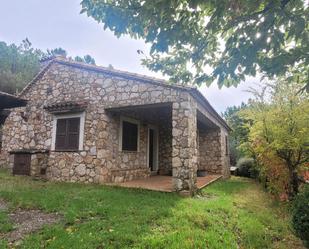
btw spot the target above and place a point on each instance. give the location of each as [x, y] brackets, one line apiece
[170, 108]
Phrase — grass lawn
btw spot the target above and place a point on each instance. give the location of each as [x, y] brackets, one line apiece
[232, 214]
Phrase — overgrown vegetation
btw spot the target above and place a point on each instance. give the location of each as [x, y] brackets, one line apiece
[273, 130]
[20, 63]
[230, 214]
[279, 134]
[246, 167]
[301, 215]
[239, 134]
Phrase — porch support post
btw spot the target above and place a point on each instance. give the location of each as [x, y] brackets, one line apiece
[184, 152]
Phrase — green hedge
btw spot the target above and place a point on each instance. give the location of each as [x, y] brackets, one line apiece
[300, 215]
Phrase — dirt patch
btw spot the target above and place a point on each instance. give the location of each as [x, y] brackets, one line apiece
[3, 205]
[27, 221]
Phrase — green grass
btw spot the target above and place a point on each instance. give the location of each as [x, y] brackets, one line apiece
[232, 214]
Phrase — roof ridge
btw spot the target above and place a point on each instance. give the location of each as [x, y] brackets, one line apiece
[144, 77]
[36, 78]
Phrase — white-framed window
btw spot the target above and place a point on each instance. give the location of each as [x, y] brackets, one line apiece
[129, 134]
[68, 132]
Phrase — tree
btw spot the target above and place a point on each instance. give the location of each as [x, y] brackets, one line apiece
[87, 59]
[57, 51]
[279, 133]
[240, 132]
[18, 65]
[196, 41]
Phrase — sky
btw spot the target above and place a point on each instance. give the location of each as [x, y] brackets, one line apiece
[58, 23]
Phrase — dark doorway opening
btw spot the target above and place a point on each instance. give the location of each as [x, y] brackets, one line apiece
[22, 164]
[151, 148]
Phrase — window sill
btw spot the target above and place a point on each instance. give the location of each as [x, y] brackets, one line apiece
[66, 150]
[129, 151]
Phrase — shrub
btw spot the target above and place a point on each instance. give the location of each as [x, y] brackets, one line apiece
[300, 215]
[246, 167]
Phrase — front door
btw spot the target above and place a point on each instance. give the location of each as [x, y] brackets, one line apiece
[153, 149]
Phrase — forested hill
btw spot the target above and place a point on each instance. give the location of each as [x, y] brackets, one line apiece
[20, 63]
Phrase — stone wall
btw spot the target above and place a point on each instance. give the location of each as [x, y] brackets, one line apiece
[165, 143]
[225, 155]
[210, 151]
[212, 154]
[100, 160]
[184, 149]
[38, 163]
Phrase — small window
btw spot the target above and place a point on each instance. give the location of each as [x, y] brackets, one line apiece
[129, 141]
[67, 134]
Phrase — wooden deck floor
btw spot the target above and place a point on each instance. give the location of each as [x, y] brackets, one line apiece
[164, 183]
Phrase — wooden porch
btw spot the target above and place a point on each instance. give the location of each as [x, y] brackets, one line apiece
[164, 183]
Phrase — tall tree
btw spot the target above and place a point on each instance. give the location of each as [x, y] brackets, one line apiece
[279, 132]
[240, 131]
[196, 41]
[18, 65]
[86, 59]
[57, 51]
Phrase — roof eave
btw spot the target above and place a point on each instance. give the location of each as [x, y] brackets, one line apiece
[199, 96]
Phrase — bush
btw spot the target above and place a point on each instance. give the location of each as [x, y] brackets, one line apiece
[246, 167]
[300, 215]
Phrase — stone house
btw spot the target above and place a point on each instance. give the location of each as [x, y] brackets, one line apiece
[85, 123]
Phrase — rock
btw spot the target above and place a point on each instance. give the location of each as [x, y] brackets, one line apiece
[93, 151]
[81, 169]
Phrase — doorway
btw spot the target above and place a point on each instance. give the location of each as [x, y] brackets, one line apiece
[152, 152]
[22, 164]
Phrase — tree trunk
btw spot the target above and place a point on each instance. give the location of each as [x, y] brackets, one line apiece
[294, 184]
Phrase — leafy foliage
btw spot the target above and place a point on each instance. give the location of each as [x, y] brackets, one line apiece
[240, 131]
[246, 167]
[196, 41]
[279, 134]
[57, 52]
[300, 217]
[19, 64]
[86, 59]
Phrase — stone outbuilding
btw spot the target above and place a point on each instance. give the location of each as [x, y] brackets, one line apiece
[85, 123]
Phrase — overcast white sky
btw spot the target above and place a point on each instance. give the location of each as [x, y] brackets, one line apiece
[57, 23]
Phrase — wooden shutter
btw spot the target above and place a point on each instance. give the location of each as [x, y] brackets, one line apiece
[67, 134]
[73, 133]
[61, 134]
